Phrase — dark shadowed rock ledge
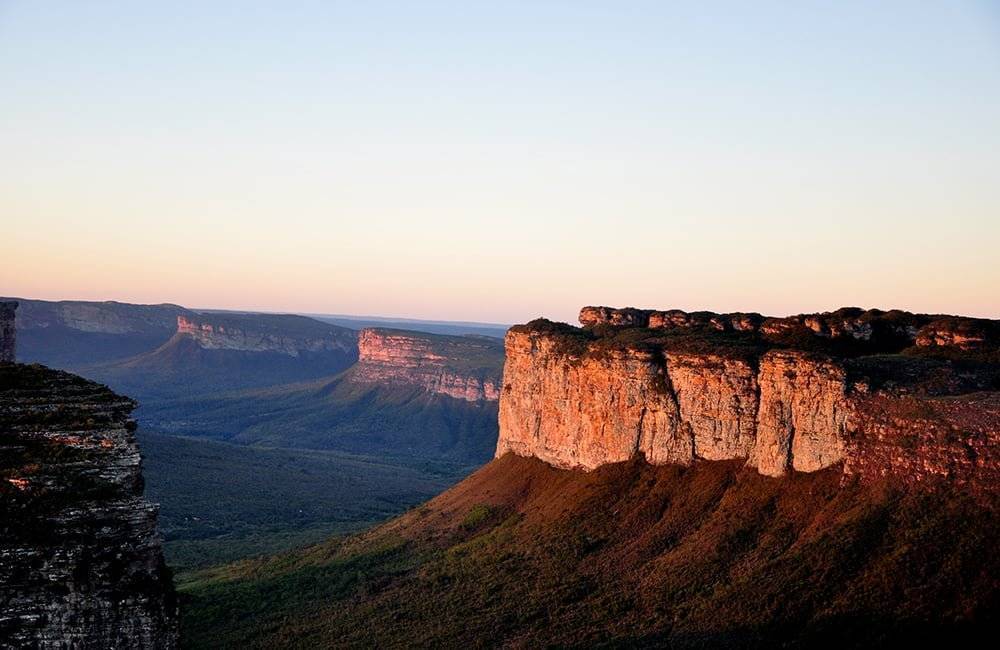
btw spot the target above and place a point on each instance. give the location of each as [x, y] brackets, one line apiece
[80, 560]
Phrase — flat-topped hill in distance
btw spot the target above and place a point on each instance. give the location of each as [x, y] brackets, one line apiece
[410, 393]
[73, 334]
[466, 367]
[220, 353]
[881, 392]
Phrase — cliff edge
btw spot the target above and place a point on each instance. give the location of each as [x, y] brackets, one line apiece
[462, 367]
[80, 561]
[912, 396]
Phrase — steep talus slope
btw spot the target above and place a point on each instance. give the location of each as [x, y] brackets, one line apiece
[522, 554]
[80, 560]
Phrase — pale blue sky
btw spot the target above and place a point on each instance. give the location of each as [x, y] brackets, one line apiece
[498, 161]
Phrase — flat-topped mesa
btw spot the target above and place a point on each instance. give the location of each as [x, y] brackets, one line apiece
[285, 334]
[8, 332]
[81, 563]
[784, 394]
[462, 367]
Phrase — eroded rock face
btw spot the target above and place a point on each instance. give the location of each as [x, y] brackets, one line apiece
[803, 413]
[604, 406]
[285, 334]
[583, 412]
[718, 387]
[8, 332]
[80, 560]
[963, 333]
[465, 368]
[718, 400]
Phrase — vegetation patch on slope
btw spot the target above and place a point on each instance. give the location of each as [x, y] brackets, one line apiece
[631, 554]
[222, 502]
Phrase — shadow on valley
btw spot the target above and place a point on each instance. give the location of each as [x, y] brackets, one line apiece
[221, 502]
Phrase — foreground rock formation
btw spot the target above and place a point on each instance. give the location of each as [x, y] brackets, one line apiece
[80, 561]
[462, 367]
[8, 332]
[884, 393]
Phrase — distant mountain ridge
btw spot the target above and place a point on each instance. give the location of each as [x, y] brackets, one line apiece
[281, 379]
[410, 393]
[223, 353]
[71, 334]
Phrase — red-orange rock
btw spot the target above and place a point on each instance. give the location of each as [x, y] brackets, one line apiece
[461, 367]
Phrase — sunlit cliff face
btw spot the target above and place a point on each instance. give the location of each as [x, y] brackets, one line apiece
[795, 394]
[439, 365]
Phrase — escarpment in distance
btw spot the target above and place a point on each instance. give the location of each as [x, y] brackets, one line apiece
[466, 368]
[81, 564]
[286, 334]
[916, 392]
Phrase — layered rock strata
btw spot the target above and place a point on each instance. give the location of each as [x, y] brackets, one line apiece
[8, 332]
[462, 367]
[678, 387]
[81, 564]
[285, 334]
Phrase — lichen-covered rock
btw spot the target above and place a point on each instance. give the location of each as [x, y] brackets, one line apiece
[462, 367]
[81, 564]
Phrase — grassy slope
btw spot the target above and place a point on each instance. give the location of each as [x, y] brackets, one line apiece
[527, 555]
[222, 502]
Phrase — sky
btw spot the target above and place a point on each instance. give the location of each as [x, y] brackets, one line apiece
[498, 161]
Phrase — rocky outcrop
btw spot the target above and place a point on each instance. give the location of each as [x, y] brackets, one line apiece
[803, 413]
[81, 564]
[285, 334]
[782, 394]
[462, 367]
[8, 332]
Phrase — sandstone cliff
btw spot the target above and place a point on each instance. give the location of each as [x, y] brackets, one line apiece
[80, 560]
[462, 367]
[8, 332]
[285, 334]
[884, 393]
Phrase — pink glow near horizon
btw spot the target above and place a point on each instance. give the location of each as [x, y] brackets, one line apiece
[501, 163]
